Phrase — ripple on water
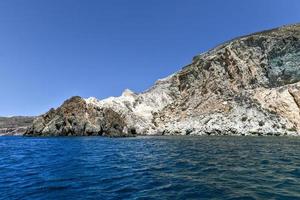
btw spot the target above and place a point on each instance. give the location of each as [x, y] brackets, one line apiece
[150, 168]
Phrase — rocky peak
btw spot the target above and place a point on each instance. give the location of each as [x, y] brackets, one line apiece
[128, 93]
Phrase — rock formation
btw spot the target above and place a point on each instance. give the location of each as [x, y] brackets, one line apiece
[77, 117]
[247, 86]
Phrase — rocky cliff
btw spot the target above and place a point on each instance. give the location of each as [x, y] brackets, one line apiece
[247, 86]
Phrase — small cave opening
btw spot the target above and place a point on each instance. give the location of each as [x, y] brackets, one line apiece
[132, 131]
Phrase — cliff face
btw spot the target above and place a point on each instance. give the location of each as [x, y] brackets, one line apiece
[227, 90]
[250, 85]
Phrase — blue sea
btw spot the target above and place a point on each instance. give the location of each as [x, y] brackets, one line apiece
[150, 168]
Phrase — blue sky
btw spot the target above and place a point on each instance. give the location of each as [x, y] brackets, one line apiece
[51, 50]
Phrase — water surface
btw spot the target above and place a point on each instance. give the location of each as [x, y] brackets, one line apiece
[150, 168]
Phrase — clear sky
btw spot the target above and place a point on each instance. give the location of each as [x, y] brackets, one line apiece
[51, 50]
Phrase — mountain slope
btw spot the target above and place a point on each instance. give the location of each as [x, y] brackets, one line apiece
[249, 85]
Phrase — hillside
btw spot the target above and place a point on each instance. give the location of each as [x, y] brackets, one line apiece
[247, 86]
[14, 125]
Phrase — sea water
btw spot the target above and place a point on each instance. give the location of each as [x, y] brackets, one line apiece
[150, 168]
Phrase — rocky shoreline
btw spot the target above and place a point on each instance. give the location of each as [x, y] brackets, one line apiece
[14, 126]
[247, 86]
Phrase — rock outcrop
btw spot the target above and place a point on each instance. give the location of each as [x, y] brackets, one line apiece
[78, 118]
[247, 86]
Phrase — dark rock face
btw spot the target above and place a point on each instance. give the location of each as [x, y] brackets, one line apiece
[76, 118]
